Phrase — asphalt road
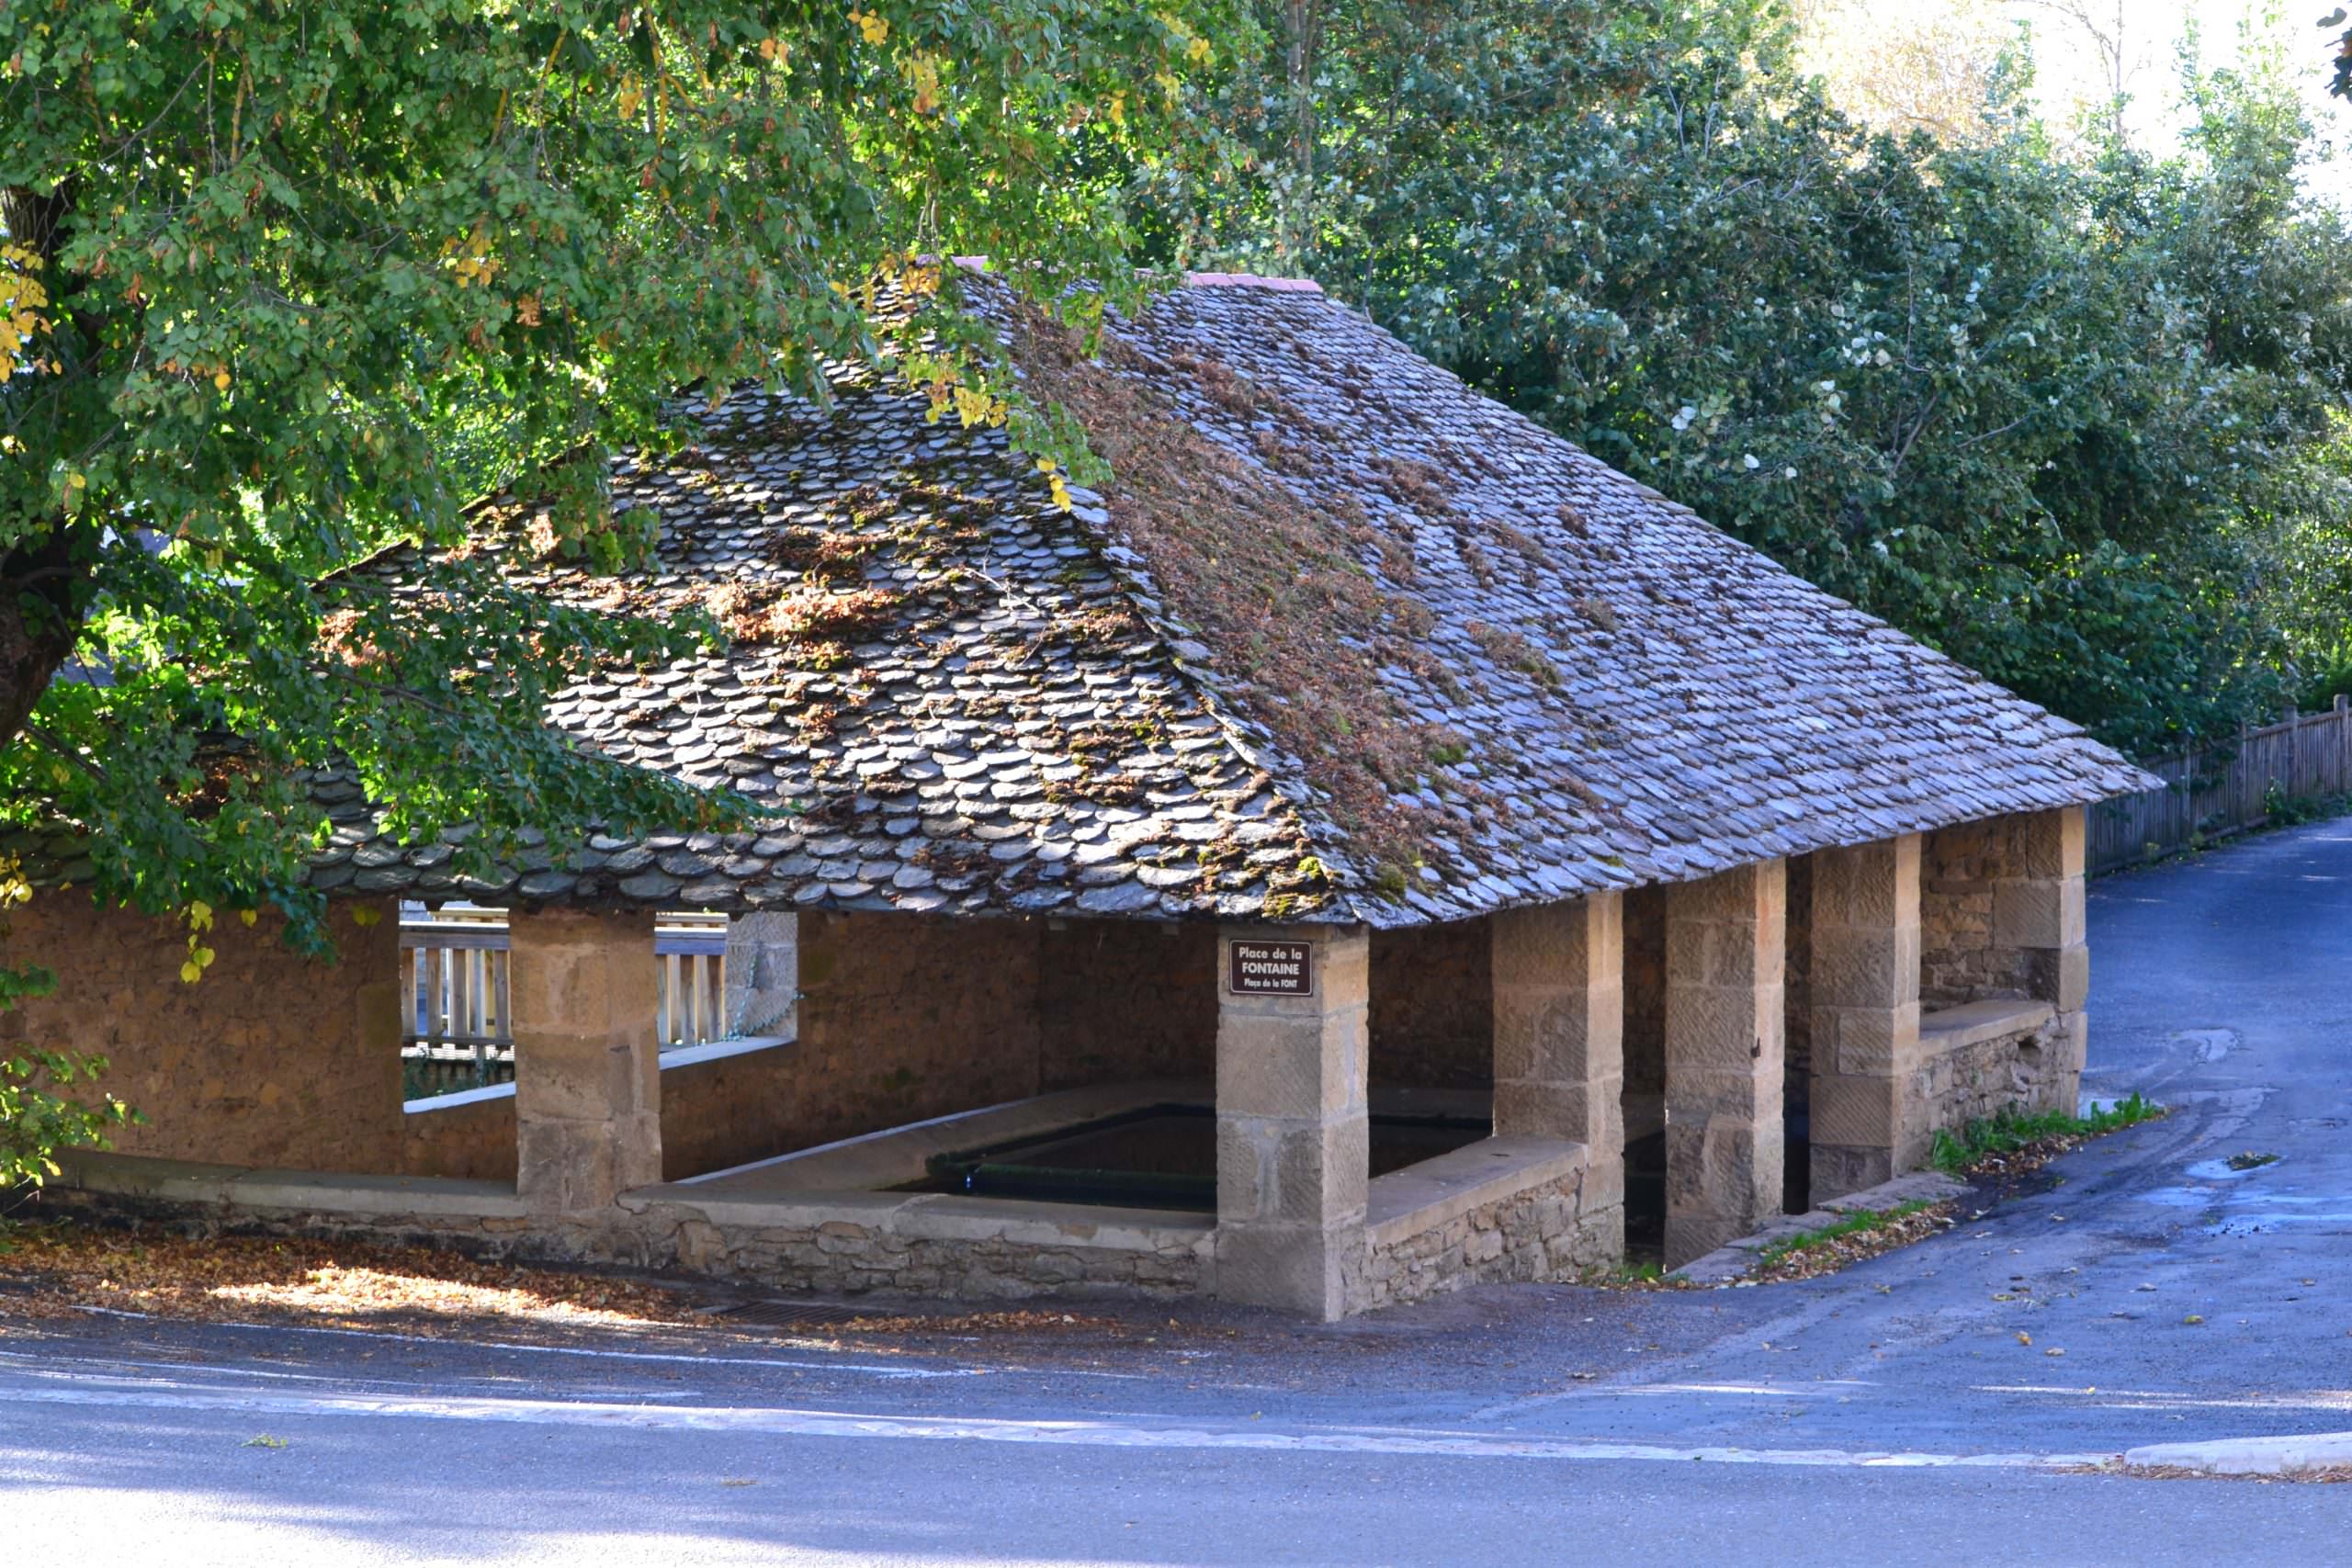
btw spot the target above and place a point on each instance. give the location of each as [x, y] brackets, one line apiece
[1927, 1406]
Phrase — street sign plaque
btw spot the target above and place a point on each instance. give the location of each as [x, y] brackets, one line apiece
[1268, 968]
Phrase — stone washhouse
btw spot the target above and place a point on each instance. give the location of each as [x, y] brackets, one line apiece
[1375, 848]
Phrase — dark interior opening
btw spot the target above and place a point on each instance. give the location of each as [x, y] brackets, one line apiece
[1796, 1026]
[1156, 1157]
[1645, 1090]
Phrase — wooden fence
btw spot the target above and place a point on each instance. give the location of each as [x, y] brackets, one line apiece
[2221, 790]
[457, 1031]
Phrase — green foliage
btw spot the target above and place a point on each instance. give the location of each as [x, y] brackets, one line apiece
[2013, 1130]
[41, 1108]
[1628, 1272]
[2281, 809]
[2072, 420]
[1860, 1222]
[283, 284]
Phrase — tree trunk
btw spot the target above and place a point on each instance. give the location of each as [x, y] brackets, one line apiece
[45, 563]
[1300, 17]
[41, 617]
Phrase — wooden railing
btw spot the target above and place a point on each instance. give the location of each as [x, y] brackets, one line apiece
[691, 986]
[457, 1026]
[2215, 791]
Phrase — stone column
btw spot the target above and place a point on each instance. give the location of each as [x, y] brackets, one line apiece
[1294, 1149]
[587, 1078]
[1727, 943]
[1869, 1115]
[2038, 915]
[1559, 990]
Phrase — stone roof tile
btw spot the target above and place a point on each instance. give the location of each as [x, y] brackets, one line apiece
[972, 685]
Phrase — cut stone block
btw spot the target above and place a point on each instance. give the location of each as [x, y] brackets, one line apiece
[2038, 914]
[587, 1070]
[2061, 975]
[2050, 843]
[1558, 976]
[1293, 1145]
[1867, 1124]
[1726, 949]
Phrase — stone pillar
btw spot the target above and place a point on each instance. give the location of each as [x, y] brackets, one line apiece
[1870, 1114]
[1727, 943]
[1294, 1149]
[2038, 914]
[1559, 988]
[587, 1078]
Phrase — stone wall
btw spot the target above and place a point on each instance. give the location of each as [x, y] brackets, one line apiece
[984, 1259]
[1546, 1233]
[1122, 1000]
[905, 1017]
[908, 1017]
[948, 1248]
[2027, 1070]
[1958, 960]
[1433, 1006]
[471, 1140]
[715, 1114]
[272, 1059]
[282, 1062]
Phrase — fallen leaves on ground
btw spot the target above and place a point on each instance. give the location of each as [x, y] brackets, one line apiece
[1645, 1277]
[54, 1271]
[2003, 1169]
[293, 1279]
[2327, 1475]
[1833, 1253]
[1044, 1319]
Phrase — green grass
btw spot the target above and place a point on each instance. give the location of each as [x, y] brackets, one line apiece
[2010, 1131]
[1860, 1222]
[1627, 1273]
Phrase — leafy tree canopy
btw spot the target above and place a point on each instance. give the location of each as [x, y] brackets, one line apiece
[2073, 420]
[286, 280]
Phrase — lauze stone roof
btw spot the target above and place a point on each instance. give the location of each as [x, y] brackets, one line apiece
[961, 698]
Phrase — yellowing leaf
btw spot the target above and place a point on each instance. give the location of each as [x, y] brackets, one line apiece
[876, 28]
[922, 73]
[248, 916]
[220, 381]
[191, 972]
[366, 915]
